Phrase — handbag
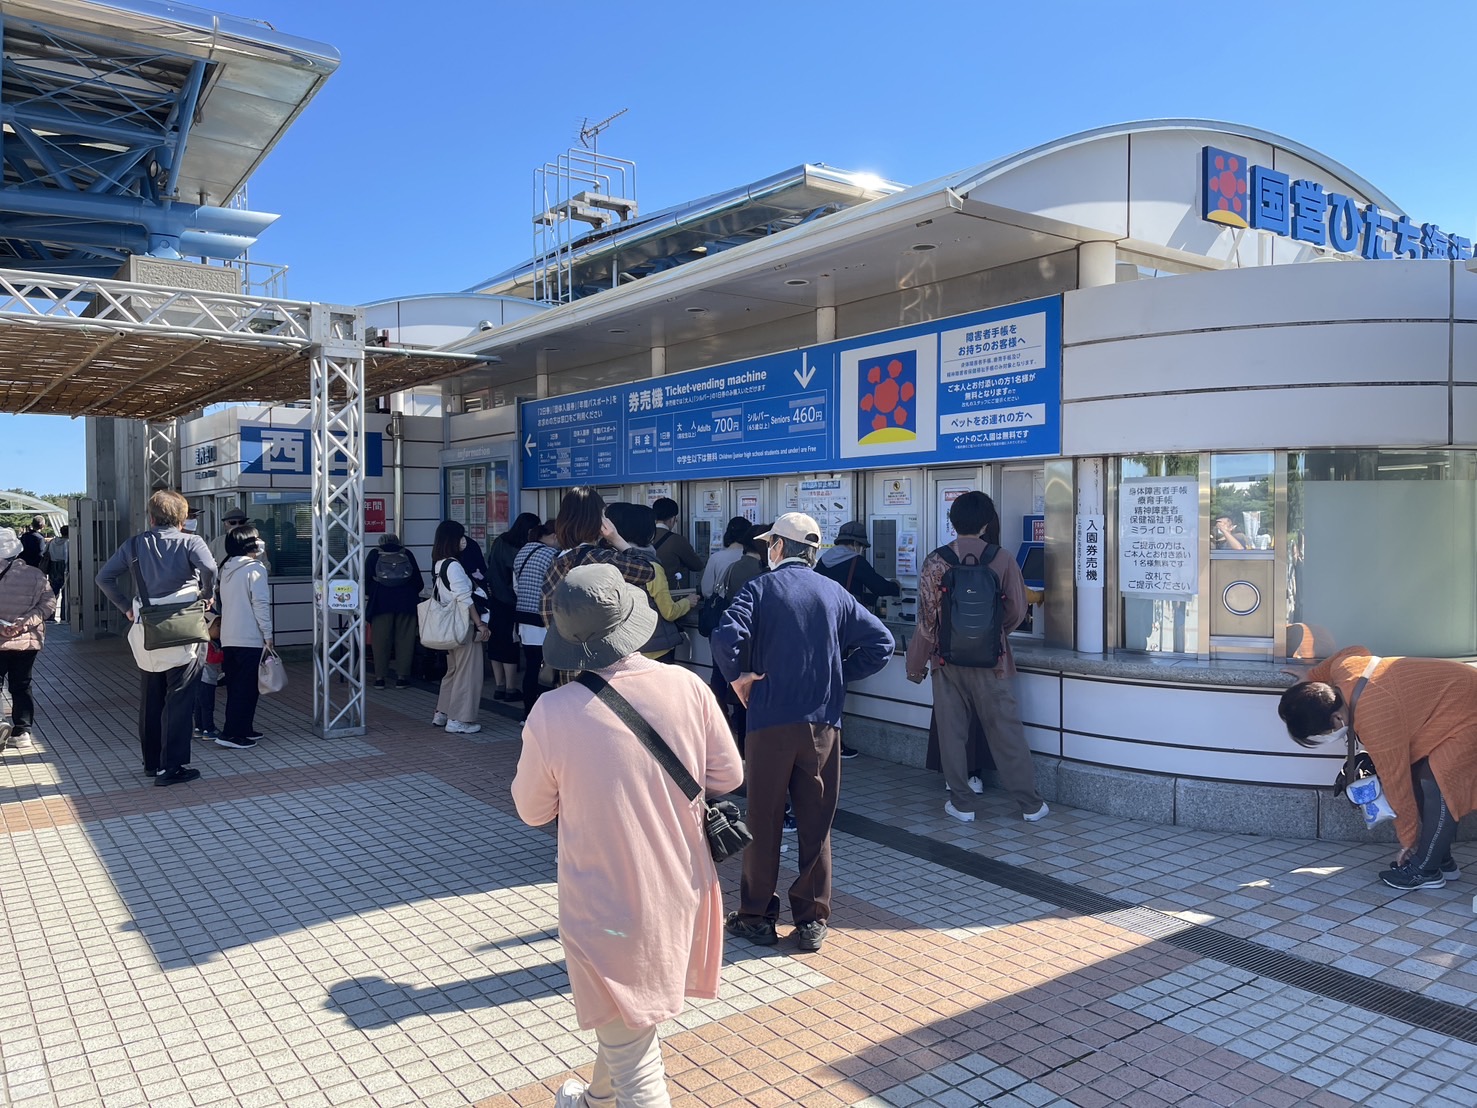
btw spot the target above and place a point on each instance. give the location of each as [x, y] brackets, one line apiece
[442, 621]
[176, 620]
[548, 676]
[1358, 780]
[271, 674]
[723, 823]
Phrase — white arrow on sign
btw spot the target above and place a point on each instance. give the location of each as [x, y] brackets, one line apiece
[528, 445]
[805, 372]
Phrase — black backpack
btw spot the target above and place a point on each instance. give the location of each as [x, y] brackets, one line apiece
[393, 568]
[971, 610]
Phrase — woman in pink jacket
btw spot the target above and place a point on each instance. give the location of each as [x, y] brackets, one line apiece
[640, 912]
[26, 603]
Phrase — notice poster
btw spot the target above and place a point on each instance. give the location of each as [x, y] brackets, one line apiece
[828, 502]
[791, 496]
[1158, 547]
[479, 481]
[748, 506]
[897, 492]
[656, 492]
[457, 509]
[374, 515]
[476, 509]
[343, 595]
[456, 482]
[907, 553]
[947, 495]
[497, 506]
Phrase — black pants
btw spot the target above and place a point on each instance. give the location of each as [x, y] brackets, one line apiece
[801, 761]
[165, 715]
[238, 674]
[15, 669]
[1438, 825]
[533, 660]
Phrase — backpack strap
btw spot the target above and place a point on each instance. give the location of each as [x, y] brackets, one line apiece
[658, 544]
[851, 573]
[642, 730]
[946, 552]
[1352, 736]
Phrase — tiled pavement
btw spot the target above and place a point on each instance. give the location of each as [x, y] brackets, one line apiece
[367, 922]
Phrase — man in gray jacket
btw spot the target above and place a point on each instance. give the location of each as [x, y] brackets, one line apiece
[169, 562]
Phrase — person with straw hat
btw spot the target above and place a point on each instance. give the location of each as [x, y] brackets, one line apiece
[640, 910]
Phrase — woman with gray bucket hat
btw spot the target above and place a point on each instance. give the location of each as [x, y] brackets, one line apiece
[640, 911]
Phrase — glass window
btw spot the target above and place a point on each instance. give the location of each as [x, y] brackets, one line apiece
[1381, 545]
[285, 521]
[1241, 502]
[1162, 623]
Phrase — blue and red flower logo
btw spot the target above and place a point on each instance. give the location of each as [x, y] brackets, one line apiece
[1224, 188]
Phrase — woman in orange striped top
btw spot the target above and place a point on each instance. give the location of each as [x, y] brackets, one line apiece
[1417, 717]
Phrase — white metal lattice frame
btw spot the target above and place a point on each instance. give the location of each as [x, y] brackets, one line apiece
[161, 455]
[337, 391]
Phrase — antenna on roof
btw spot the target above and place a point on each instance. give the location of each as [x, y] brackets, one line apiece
[590, 132]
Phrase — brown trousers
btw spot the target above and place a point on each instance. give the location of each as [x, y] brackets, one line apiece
[801, 761]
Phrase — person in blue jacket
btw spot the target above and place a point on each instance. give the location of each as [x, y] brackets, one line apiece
[788, 644]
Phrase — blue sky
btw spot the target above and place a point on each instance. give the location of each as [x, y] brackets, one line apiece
[412, 170]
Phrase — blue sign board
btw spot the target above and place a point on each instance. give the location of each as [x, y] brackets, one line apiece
[288, 452]
[1238, 194]
[974, 387]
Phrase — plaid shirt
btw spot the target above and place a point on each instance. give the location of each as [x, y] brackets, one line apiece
[634, 567]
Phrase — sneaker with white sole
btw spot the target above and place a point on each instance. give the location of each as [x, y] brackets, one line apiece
[231, 742]
[457, 727]
[571, 1094]
[1449, 868]
[438, 719]
[976, 786]
[21, 740]
[1408, 877]
[962, 817]
[1039, 814]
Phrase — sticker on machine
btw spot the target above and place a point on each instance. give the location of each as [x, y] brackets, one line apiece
[889, 398]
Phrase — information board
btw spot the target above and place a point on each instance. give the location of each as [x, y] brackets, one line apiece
[973, 387]
[1158, 545]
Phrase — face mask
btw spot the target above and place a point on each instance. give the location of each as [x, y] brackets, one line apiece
[773, 555]
[191, 525]
[1330, 738]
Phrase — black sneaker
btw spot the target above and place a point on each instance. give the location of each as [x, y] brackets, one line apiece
[379, 682]
[402, 683]
[176, 776]
[810, 934]
[1449, 868]
[760, 932]
[254, 735]
[1407, 877]
[789, 825]
[848, 752]
[235, 744]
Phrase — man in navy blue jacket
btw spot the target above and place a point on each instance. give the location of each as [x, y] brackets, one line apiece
[788, 643]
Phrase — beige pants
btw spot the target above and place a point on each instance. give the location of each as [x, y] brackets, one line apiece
[628, 1070]
[461, 688]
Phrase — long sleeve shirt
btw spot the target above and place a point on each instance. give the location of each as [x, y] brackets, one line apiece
[26, 602]
[924, 647]
[168, 559]
[807, 637]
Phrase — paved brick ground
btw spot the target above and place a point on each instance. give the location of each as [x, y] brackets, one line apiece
[366, 922]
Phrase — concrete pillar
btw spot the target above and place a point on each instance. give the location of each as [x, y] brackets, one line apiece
[825, 325]
[541, 374]
[1096, 264]
[658, 361]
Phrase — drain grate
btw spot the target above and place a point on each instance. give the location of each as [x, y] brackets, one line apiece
[1439, 1016]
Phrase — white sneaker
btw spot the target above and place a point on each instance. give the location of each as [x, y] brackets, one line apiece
[1039, 814]
[976, 786]
[438, 720]
[962, 817]
[21, 740]
[571, 1095]
[457, 727]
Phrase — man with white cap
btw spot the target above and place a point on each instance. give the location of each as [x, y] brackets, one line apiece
[640, 910]
[788, 643]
